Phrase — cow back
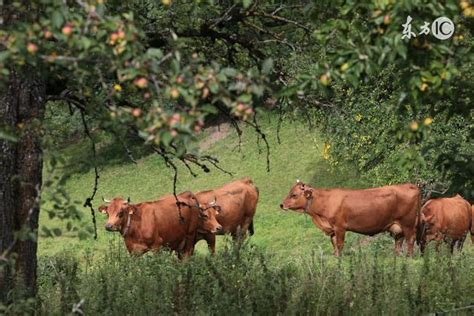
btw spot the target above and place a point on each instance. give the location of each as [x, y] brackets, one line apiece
[237, 200]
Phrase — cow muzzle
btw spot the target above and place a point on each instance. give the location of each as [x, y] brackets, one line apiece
[110, 228]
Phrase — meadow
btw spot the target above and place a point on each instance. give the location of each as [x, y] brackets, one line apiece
[287, 267]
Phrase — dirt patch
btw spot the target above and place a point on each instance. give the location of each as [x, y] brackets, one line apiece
[216, 133]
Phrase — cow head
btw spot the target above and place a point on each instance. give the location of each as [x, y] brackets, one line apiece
[425, 230]
[298, 197]
[208, 221]
[117, 211]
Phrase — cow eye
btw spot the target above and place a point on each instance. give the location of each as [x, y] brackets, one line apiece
[120, 214]
[293, 196]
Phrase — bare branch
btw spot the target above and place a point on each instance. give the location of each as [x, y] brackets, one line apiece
[88, 201]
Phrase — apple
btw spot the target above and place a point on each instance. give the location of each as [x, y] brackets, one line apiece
[174, 93]
[324, 79]
[141, 82]
[67, 29]
[136, 112]
[47, 34]
[32, 48]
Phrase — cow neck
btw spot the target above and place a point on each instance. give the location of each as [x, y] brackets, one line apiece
[309, 202]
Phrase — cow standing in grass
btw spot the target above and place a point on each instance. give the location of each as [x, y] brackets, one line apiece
[393, 209]
[235, 205]
[472, 224]
[445, 219]
[153, 225]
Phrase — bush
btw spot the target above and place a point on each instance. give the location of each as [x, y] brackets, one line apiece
[243, 279]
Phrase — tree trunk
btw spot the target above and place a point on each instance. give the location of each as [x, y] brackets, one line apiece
[22, 105]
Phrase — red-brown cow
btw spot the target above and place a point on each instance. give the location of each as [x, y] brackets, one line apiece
[391, 209]
[152, 225]
[472, 224]
[235, 204]
[445, 219]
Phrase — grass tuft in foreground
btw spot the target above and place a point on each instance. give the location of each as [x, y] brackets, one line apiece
[243, 280]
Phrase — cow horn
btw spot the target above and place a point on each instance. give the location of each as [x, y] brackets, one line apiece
[298, 181]
[214, 202]
[106, 201]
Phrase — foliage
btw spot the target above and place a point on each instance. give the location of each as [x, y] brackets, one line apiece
[391, 101]
[244, 279]
[133, 66]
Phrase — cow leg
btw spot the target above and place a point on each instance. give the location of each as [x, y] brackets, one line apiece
[338, 242]
[438, 243]
[239, 234]
[399, 243]
[452, 245]
[334, 243]
[410, 238]
[211, 242]
[461, 242]
[186, 248]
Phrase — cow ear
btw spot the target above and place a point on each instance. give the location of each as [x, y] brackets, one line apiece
[103, 209]
[131, 210]
[427, 217]
[308, 194]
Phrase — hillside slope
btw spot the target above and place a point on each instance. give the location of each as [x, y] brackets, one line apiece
[283, 234]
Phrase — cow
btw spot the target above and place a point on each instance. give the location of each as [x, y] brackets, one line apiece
[150, 226]
[392, 209]
[235, 204]
[472, 224]
[445, 219]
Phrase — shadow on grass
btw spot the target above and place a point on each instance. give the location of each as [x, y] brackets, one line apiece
[79, 157]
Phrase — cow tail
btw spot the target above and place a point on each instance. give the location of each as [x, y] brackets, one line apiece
[420, 227]
[251, 229]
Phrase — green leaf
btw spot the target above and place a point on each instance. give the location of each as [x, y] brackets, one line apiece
[229, 72]
[166, 138]
[267, 66]
[57, 19]
[287, 92]
[8, 136]
[155, 53]
[246, 3]
[214, 87]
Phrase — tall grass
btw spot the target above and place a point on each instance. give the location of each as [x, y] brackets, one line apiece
[244, 279]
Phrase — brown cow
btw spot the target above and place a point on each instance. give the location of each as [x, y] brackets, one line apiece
[445, 219]
[152, 225]
[472, 224]
[391, 209]
[235, 204]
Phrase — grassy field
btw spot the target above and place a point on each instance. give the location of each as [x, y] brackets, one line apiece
[287, 267]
